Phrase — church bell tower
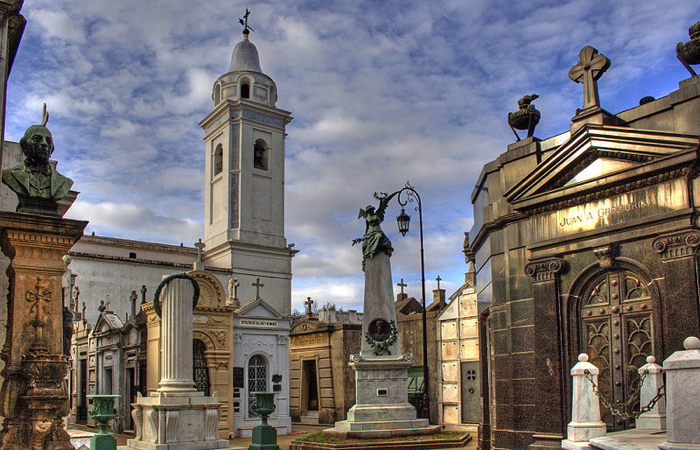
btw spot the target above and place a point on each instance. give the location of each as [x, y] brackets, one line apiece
[244, 187]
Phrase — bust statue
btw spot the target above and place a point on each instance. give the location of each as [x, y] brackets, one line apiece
[37, 184]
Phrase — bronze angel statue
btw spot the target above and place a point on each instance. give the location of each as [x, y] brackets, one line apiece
[374, 241]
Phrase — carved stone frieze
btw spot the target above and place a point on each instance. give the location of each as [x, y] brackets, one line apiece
[545, 270]
[619, 189]
[677, 245]
[221, 338]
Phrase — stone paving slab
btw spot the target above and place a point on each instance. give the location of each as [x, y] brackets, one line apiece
[630, 440]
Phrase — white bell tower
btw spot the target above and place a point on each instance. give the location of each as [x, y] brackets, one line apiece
[244, 187]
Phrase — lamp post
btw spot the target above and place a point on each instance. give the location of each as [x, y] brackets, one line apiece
[403, 221]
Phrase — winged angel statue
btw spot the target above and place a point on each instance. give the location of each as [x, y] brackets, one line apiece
[374, 241]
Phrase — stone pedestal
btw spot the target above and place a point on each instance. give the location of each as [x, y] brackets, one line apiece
[34, 394]
[176, 416]
[683, 397]
[585, 407]
[653, 380]
[382, 408]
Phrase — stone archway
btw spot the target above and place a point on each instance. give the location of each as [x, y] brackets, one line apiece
[615, 321]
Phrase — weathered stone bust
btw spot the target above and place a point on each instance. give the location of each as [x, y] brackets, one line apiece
[37, 184]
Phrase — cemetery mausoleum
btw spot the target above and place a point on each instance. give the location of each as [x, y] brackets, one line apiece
[585, 242]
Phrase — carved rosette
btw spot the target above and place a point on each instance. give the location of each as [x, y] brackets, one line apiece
[678, 245]
[546, 270]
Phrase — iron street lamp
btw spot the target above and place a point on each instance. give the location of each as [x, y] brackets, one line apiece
[403, 221]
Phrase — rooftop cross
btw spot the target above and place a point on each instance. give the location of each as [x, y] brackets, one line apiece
[200, 245]
[590, 67]
[401, 285]
[438, 281]
[308, 304]
[257, 285]
[244, 22]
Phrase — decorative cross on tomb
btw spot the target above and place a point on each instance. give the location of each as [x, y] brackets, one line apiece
[200, 245]
[233, 290]
[401, 285]
[308, 304]
[438, 281]
[257, 285]
[590, 67]
[143, 293]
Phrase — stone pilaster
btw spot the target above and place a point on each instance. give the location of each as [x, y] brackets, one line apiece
[681, 316]
[547, 372]
[34, 396]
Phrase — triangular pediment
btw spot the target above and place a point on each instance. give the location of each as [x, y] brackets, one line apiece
[597, 156]
[450, 312]
[108, 321]
[258, 309]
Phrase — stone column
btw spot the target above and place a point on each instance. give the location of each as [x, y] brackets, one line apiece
[549, 420]
[34, 393]
[683, 397]
[585, 407]
[653, 380]
[176, 337]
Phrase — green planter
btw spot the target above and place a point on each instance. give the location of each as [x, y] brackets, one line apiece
[264, 436]
[102, 412]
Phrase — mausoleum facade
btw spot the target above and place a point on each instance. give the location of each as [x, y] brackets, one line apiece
[585, 242]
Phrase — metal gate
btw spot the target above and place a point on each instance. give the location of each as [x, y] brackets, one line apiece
[617, 335]
[200, 369]
[471, 392]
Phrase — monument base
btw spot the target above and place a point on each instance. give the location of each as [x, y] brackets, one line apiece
[175, 422]
[381, 409]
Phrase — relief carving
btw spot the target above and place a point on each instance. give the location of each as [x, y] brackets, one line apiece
[606, 255]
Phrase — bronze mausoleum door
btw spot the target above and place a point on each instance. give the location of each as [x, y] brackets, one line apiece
[618, 334]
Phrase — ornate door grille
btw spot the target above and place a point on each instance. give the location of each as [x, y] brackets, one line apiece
[257, 380]
[201, 371]
[618, 336]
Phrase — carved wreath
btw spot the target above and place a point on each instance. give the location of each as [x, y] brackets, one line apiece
[381, 347]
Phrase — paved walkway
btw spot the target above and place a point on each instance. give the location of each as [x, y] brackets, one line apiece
[298, 430]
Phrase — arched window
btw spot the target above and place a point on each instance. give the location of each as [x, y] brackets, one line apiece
[217, 94]
[273, 96]
[199, 365]
[260, 155]
[257, 380]
[245, 89]
[218, 159]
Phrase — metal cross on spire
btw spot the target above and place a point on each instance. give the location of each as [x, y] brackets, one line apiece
[438, 281]
[591, 66]
[257, 285]
[401, 285]
[244, 21]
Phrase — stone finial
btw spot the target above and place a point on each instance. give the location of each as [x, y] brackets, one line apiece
[526, 117]
[689, 53]
[691, 343]
[590, 67]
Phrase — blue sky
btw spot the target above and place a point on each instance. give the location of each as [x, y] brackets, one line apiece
[381, 93]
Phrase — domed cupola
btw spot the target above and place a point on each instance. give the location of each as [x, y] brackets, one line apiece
[245, 79]
[245, 57]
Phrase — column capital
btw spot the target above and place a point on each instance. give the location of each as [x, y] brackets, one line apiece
[546, 269]
[677, 245]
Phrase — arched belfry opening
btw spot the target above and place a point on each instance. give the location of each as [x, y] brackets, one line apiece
[245, 88]
[218, 159]
[616, 322]
[260, 158]
[217, 94]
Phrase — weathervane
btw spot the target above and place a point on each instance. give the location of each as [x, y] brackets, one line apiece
[244, 21]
